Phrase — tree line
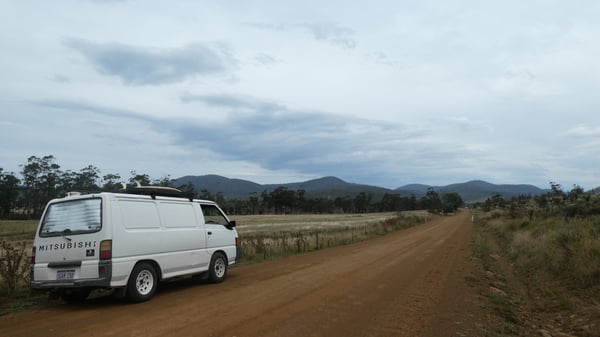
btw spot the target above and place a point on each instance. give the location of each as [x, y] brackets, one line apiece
[42, 179]
[286, 201]
[574, 203]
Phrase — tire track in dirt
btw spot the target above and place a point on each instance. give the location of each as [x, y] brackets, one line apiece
[388, 286]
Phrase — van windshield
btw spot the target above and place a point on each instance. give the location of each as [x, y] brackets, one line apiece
[72, 217]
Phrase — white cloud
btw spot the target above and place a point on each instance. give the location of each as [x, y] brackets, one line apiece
[584, 131]
[325, 31]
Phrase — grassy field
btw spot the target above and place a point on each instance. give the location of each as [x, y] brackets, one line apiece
[17, 230]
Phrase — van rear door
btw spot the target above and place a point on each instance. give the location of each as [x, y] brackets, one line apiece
[68, 241]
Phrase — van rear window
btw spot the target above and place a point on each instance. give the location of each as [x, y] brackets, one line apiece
[72, 217]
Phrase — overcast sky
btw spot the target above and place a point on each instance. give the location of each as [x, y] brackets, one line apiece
[384, 93]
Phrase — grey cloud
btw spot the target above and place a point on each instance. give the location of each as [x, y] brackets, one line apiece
[265, 59]
[233, 102]
[82, 106]
[150, 66]
[314, 143]
[60, 78]
[277, 138]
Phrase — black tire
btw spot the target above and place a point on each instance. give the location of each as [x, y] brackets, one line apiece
[75, 295]
[142, 283]
[218, 268]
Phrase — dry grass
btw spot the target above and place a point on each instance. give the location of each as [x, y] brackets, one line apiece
[265, 224]
[556, 262]
[265, 237]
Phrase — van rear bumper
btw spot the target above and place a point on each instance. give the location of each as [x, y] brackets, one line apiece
[87, 283]
[102, 281]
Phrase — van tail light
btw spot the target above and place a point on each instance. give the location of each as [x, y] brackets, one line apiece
[33, 250]
[106, 250]
[238, 242]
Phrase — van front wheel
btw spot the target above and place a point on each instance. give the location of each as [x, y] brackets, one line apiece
[218, 268]
[142, 283]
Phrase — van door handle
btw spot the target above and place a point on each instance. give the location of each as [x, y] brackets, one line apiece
[209, 233]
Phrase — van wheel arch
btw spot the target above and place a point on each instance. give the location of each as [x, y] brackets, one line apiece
[154, 264]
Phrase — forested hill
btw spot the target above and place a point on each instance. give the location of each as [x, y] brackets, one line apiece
[475, 190]
[331, 187]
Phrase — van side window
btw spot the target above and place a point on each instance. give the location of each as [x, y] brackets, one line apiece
[212, 215]
[139, 214]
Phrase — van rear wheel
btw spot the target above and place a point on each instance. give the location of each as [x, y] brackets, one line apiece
[218, 268]
[142, 282]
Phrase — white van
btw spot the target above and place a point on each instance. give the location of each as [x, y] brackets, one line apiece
[129, 242]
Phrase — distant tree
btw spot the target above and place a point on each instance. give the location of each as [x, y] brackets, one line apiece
[253, 203]
[41, 177]
[451, 202]
[111, 182]
[556, 195]
[283, 200]
[206, 195]
[362, 202]
[142, 179]
[390, 202]
[556, 189]
[267, 204]
[220, 198]
[344, 204]
[300, 202]
[164, 181]
[189, 189]
[574, 194]
[431, 201]
[68, 181]
[494, 201]
[87, 179]
[9, 192]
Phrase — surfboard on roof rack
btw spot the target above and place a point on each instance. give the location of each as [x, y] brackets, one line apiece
[162, 191]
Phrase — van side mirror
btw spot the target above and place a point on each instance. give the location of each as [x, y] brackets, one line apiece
[231, 224]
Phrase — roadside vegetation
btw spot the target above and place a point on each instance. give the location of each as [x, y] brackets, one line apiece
[542, 261]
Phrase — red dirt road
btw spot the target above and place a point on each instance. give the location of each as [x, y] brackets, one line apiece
[410, 283]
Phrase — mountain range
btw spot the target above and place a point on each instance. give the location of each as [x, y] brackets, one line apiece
[332, 187]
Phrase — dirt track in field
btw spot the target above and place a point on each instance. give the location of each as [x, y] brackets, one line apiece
[411, 283]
